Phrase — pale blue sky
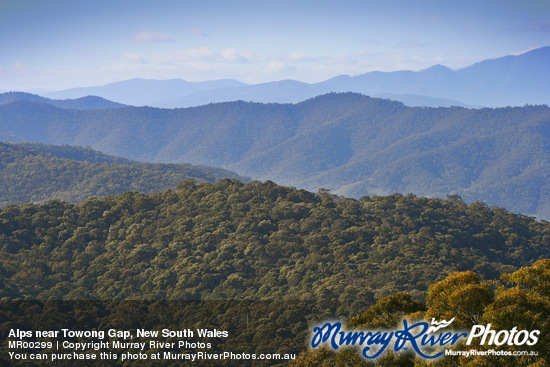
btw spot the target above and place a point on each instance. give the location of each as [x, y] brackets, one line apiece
[58, 44]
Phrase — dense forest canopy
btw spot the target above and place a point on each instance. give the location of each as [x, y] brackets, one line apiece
[229, 240]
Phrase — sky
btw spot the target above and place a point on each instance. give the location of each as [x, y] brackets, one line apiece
[60, 44]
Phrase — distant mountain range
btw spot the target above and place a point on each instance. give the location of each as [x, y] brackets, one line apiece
[144, 92]
[82, 103]
[348, 143]
[509, 80]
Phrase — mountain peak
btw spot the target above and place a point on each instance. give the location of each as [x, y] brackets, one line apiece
[13, 96]
[437, 68]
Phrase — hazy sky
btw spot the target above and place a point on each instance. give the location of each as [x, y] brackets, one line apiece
[58, 44]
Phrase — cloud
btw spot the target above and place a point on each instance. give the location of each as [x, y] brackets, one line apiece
[279, 68]
[204, 54]
[18, 65]
[534, 25]
[198, 32]
[200, 63]
[181, 56]
[299, 56]
[234, 55]
[373, 41]
[150, 36]
[132, 57]
[412, 44]
[275, 66]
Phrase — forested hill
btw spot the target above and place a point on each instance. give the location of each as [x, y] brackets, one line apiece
[38, 173]
[229, 240]
[348, 143]
[82, 103]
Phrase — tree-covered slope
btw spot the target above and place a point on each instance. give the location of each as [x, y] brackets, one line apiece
[83, 103]
[230, 240]
[38, 173]
[348, 143]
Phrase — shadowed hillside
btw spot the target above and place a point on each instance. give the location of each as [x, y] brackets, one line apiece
[38, 173]
[348, 143]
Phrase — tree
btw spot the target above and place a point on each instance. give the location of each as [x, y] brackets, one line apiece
[526, 307]
[461, 296]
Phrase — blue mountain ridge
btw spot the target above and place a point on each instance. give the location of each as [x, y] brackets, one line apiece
[513, 80]
[346, 142]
